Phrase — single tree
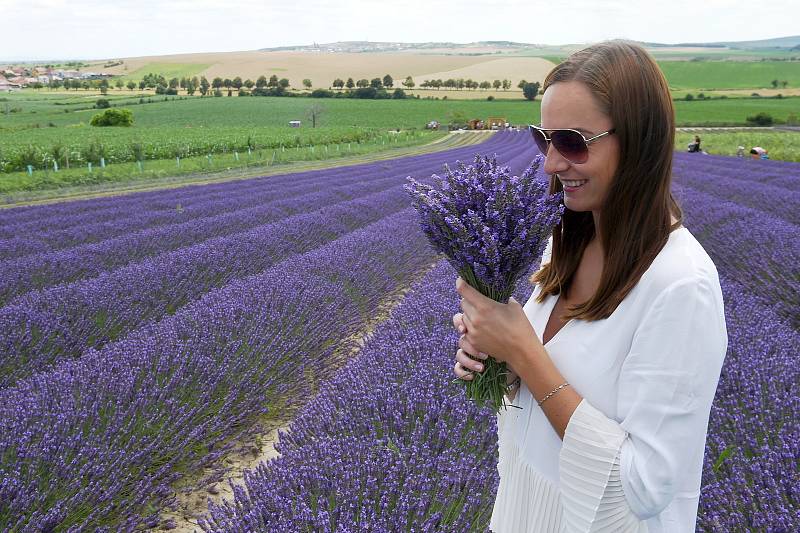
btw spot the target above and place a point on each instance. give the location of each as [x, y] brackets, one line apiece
[485, 85]
[521, 84]
[338, 83]
[237, 82]
[173, 83]
[273, 81]
[363, 82]
[388, 81]
[497, 84]
[261, 82]
[283, 82]
[249, 83]
[217, 82]
[530, 90]
[350, 83]
[204, 85]
[376, 83]
[307, 83]
[409, 83]
[131, 85]
[119, 83]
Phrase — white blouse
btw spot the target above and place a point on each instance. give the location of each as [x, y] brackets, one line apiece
[632, 454]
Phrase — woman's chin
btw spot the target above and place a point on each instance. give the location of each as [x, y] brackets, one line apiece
[575, 205]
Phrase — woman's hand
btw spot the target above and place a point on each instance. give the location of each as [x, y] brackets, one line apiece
[465, 360]
[500, 330]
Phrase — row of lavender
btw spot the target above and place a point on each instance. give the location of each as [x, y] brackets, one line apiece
[94, 441]
[94, 221]
[745, 182]
[94, 249]
[196, 200]
[62, 321]
[107, 208]
[177, 386]
[403, 450]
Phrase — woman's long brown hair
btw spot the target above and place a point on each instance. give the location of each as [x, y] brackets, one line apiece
[635, 217]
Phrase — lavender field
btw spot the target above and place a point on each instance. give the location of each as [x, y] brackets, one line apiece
[139, 334]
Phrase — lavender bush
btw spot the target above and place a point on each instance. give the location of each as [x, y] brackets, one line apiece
[492, 227]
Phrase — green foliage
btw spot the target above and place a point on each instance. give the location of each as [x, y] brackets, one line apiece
[102, 103]
[113, 117]
[530, 90]
[760, 119]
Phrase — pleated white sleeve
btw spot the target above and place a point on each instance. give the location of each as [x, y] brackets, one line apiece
[616, 472]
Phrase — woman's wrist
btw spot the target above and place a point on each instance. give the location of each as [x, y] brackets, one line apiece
[511, 376]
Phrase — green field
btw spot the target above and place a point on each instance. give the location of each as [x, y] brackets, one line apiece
[783, 145]
[37, 128]
[733, 111]
[44, 108]
[168, 70]
[710, 75]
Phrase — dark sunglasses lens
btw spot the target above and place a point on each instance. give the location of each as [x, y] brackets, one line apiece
[541, 142]
[571, 145]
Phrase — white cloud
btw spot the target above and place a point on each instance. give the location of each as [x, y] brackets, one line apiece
[103, 29]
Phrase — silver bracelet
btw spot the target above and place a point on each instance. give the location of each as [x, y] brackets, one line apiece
[552, 392]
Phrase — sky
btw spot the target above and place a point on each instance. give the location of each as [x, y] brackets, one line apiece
[95, 29]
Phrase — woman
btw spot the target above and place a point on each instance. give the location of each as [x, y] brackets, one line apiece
[616, 356]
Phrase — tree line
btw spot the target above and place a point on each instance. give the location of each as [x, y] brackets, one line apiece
[274, 86]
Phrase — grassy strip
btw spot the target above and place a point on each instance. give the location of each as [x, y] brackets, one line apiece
[122, 172]
[227, 170]
[782, 145]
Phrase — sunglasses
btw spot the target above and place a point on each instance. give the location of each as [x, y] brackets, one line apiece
[570, 143]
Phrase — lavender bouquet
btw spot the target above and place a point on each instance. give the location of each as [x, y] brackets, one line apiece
[492, 227]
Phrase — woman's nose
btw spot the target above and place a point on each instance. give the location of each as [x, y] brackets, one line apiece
[554, 161]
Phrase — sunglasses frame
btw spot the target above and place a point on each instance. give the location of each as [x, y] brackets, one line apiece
[532, 128]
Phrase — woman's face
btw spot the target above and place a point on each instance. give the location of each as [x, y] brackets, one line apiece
[571, 105]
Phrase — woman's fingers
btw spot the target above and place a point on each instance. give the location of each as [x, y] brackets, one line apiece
[468, 362]
[460, 373]
[458, 322]
[465, 345]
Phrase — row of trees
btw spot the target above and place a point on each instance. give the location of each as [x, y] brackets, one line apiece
[273, 84]
[409, 83]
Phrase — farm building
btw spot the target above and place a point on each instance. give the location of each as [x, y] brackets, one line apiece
[495, 123]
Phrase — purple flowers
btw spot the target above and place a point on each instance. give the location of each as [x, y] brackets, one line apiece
[492, 227]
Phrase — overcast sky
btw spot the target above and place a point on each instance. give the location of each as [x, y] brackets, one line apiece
[100, 29]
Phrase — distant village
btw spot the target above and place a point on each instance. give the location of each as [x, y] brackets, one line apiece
[14, 78]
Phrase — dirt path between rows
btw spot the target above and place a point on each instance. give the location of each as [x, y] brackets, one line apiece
[192, 494]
